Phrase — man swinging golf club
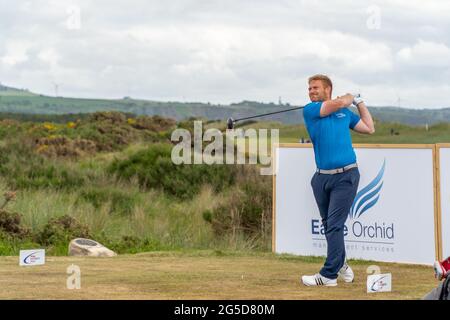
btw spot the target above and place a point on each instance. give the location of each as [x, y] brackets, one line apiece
[337, 176]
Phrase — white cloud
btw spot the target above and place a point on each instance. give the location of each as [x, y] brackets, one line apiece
[212, 51]
[426, 53]
[49, 56]
[16, 52]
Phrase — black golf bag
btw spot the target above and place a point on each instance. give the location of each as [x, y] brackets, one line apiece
[442, 292]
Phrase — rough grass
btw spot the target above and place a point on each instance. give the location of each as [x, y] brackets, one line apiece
[154, 221]
[200, 275]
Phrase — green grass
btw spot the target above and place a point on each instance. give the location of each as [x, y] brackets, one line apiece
[155, 222]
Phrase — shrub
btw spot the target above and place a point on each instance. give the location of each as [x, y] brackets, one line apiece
[133, 244]
[61, 146]
[61, 230]
[154, 169]
[10, 224]
[155, 123]
[113, 117]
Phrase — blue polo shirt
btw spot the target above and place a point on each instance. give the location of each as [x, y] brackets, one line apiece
[330, 136]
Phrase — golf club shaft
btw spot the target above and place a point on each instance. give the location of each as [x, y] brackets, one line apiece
[267, 114]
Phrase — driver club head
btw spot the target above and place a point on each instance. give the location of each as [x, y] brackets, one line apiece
[230, 123]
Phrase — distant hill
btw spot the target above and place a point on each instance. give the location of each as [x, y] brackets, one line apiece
[411, 116]
[14, 100]
[9, 91]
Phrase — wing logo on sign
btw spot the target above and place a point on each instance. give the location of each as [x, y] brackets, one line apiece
[31, 258]
[368, 196]
[378, 285]
[369, 230]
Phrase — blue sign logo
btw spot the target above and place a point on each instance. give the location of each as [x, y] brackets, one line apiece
[379, 284]
[30, 258]
[365, 199]
[368, 196]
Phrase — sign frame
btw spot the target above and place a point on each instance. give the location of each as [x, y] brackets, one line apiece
[436, 182]
[440, 146]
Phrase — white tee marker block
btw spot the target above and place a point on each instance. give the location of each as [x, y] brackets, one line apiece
[32, 257]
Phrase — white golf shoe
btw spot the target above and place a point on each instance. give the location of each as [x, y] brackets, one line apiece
[318, 280]
[346, 273]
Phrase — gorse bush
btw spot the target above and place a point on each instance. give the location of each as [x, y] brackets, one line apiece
[113, 130]
[10, 224]
[154, 169]
[61, 146]
[62, 230]
[155, 123]
[112, 117]
[98, 132]
[36, 155]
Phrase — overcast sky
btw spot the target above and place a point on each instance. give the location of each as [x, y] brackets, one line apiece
[394, 52]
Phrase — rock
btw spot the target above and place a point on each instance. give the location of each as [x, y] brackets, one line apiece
[88, 247]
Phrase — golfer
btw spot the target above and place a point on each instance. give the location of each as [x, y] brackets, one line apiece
[337, 176]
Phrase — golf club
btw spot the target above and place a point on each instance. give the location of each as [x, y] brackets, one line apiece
[231, 121]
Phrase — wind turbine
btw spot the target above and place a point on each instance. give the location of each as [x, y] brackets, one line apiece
[56, 86]
[399, 100]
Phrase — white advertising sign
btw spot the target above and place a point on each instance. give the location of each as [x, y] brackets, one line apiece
[444, 161]
[32, 257]
[392, 217]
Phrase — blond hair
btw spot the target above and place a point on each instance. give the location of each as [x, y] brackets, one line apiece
[325, 80]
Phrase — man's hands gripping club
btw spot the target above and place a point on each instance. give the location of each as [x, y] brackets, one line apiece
[365, 125]
[357, 99]
[330, 106]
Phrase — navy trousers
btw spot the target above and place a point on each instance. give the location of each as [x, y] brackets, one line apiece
[334, 195]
